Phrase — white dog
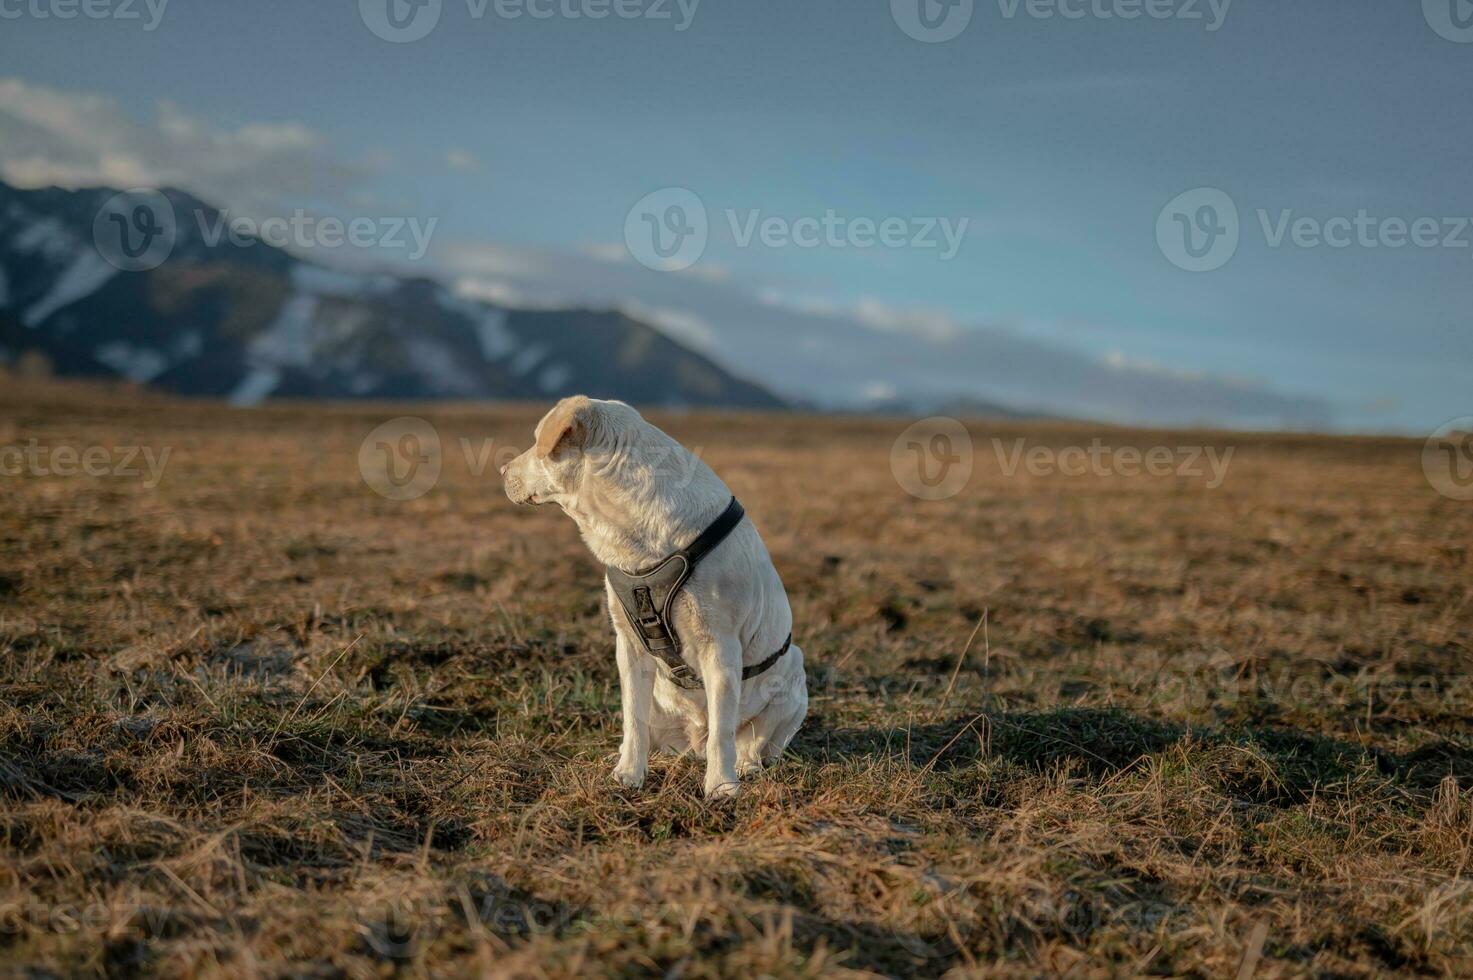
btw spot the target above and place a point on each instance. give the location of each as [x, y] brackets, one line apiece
[707, 667]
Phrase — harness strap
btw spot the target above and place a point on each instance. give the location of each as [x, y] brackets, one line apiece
[708, 539]
[752, 671]
[647, 596]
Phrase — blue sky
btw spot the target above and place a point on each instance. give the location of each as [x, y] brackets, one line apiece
[1058, 139]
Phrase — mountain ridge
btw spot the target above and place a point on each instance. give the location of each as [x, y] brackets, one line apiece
[252, 321]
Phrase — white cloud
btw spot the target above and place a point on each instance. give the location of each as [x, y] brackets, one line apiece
[492, 291]
[844, 353]
[485, 261]
[607, 251]
[461, 160]
[878, 391]
[49, 136]
[112, 170]
[933, 324]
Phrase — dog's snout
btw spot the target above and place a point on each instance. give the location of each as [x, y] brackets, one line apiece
[504, 467]
[512, 483]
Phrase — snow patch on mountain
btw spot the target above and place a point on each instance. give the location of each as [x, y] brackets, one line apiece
[363, 382]
[496, 340]
[438, 361]
[451, 303]
[554, 377]
[138, 364]
[489, 323]
[48, 237]
[255, 386]
[188, 345]
[288, 341]
[86, 274]
[527, 359]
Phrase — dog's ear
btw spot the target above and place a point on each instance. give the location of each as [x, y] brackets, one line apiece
[566, 426]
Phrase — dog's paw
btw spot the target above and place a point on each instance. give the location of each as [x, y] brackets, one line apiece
[718, 789]
[749, 768]
[630, 776]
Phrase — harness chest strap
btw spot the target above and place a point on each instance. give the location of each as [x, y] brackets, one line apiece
[647, 597]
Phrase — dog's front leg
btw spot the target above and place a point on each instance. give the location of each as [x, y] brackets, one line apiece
[721, 672]
[637, 688]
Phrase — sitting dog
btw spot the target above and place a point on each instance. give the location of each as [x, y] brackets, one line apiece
[702, 626]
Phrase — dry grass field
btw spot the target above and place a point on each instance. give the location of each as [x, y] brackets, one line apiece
[258, 720]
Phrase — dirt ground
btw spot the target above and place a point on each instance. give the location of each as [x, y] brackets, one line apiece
[257, 718]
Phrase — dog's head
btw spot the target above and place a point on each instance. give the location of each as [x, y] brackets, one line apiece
[575, 436]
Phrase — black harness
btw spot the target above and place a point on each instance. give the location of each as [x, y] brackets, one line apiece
[648, 595]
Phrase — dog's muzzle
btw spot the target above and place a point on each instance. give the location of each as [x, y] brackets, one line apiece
[516, 490]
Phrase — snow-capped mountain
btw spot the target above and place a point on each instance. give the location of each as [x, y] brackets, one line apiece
[249, 321]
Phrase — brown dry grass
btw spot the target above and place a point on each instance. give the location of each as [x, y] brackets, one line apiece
[262, 721]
